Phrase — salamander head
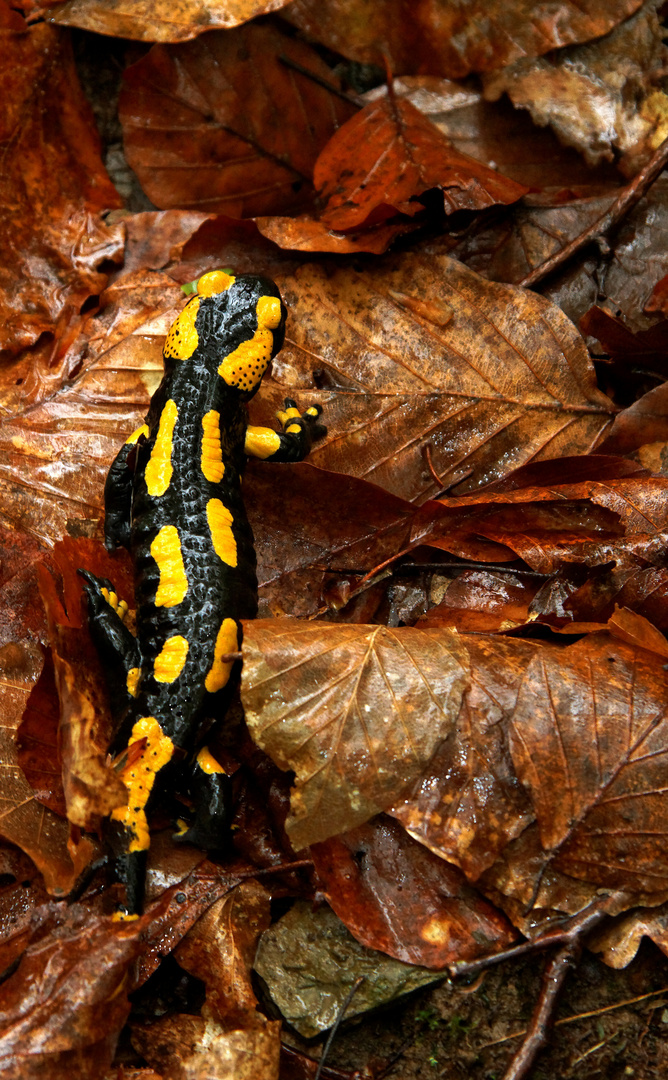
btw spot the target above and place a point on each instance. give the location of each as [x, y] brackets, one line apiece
[247, 321]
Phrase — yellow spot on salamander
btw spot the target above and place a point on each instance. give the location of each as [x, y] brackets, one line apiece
[268, 312]
[227, 641]
[143, 430]
[169, 662]
[139, 778]
[312, 411]
[220, 527]
[132, 681]
[261, 442]
[158, 473]
[212, 450]
[166, 550]
[293, 429]
[288, 414]
[216, 281]
[182, 339]
[208, 763]
[245, 365]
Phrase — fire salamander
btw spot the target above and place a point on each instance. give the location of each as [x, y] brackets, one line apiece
[173, 498]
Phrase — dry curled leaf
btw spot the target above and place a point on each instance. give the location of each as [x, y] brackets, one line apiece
[160, 20]
[355, 711]
[220, 124]
[386, 156]
[456, 38]
[603, 97]
[396, 896]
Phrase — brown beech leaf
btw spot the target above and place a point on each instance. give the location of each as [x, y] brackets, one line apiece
[92, 789]
[32, 827]
[186, 1047]
[52, 187]
[427, 354]
[386, 156]
[304, 233]
[160, 20]
[601, 97]
[456, 38]
[592, 522]
[468, 804]
[646, 421]
[634, 629]
[589, 741]
[64, 1006]
[498, 135]
[220, 124]
[65, 444]
[355, 711]
[37, 741]
[301, 532]
[219, 950]
[480, 601]
[395, 896]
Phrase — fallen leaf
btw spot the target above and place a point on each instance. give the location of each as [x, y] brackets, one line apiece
[355, 711]
[302, 537]
[396, 896]
[310, 986]
[304, 233]
[53, 189]
[456, 39]
[617, 943]
[64, 1006]
[424, 353]
[188, 1047]
[588, 740]
[468, 805]
[32, 827]
[635, 630]
[153, 20]
[386, 156]
[92, 788]
[195, 138]
[481, 601]
[496, 134]
[219, 950]
[37, 741]
[601, 97]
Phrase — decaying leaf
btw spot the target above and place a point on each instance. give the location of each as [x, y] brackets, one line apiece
[92, 789]
[146, 20]
[396, 896]
[456, 38]
[424, 353]
[194, 142]
[53, 187]
[468, 804]
[186, 1047]
[310, 986]
[32, 827]
[355, 711]
[600, 97]
[589, 741]
[386, 156]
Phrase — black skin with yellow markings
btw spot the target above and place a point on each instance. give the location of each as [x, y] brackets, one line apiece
[173, 498]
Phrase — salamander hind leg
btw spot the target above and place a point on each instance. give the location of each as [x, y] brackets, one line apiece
[210, 789]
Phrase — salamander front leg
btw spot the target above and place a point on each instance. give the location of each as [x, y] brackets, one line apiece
[300, 430]
[117, 647]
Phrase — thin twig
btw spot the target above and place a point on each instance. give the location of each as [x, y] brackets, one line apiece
[342, 1012]
[539, 1029]
[580, 1016]
[628, 197]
